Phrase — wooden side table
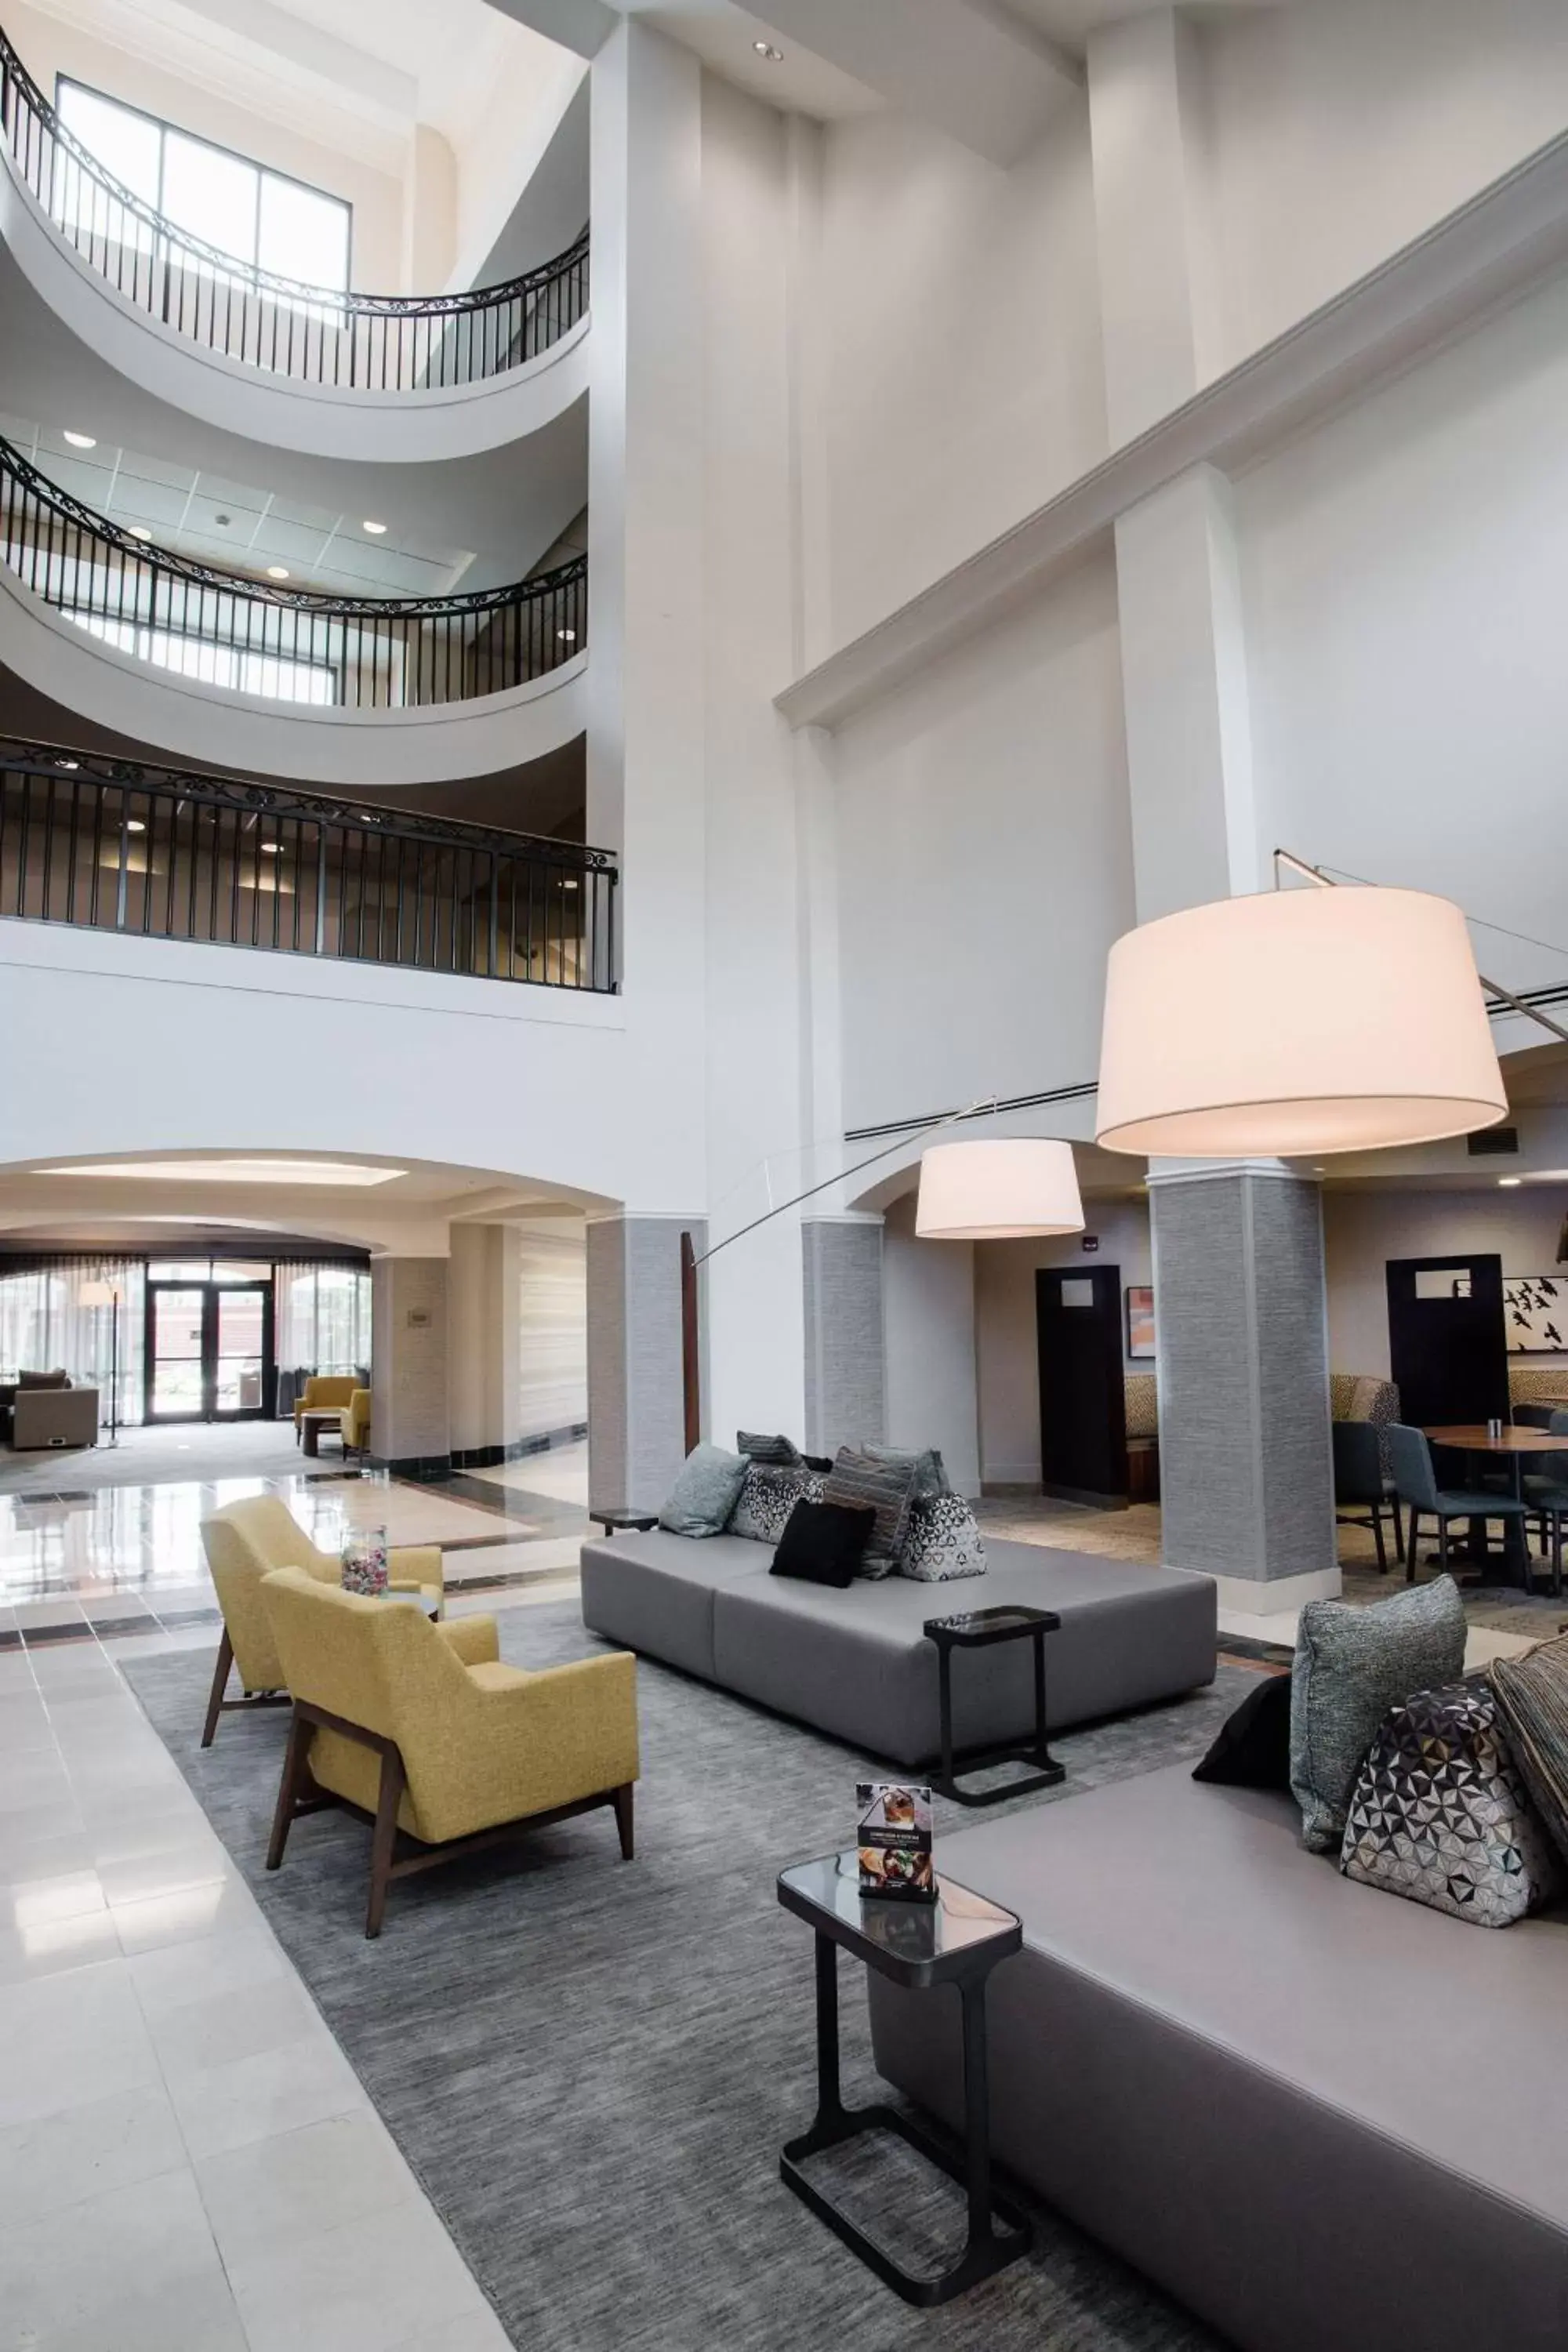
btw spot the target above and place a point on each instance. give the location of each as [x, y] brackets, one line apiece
[958, 1940]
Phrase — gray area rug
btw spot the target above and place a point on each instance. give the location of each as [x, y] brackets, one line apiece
[591, 2065]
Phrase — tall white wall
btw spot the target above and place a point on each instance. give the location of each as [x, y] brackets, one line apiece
[1404, 579]
[959, 320]
[551, 1307]
[1341, 129]
[984, 861]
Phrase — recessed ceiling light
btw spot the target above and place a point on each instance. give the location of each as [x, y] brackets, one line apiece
[71, 764]
[134, 825]
[567, 636]
[81, 440]
[277, 572]
[1509, 1182]
[376, 530]
[237, 1171]
[569, 882]
[270, 848]
[139, 530]
[766, 50]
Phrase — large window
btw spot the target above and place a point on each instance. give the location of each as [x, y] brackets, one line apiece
[323, 1318]
[45, 1324]
[262, 217]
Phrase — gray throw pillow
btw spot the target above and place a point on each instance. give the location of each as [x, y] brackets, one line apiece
[1350, 1666]
[705, 1493]
[929, 1477]
[889, 1490]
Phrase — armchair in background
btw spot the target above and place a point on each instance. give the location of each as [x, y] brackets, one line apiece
[422, 1728]
[247, 1540]
[356, 1423]
[320, 1392]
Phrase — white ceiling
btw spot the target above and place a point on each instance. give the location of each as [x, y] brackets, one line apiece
[240, 528]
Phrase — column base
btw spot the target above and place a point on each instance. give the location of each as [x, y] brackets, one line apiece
[1259, 1601]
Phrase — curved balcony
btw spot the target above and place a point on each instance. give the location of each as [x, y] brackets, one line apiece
[118, 846]
[210, 645]
[280, 325]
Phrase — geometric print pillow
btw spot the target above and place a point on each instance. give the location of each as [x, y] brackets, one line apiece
[767, 1496]
[943, 1542]
[1440, 1812]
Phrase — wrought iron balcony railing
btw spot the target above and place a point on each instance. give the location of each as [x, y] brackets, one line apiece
[290, 645]
[312, 334]
[114, 845]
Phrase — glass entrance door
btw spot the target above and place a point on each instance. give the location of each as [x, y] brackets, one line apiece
[209, 1351]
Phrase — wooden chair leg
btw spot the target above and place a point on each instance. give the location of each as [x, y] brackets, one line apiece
[220, 1684]
[1398, 1533]
[1443, 1544]
[1557, 1555]
[1377, 1539]
[623, 1804]
[1411, 1526]
[383, 1843]
[296, 1774]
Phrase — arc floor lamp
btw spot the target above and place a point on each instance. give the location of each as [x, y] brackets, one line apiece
[1284, 1024]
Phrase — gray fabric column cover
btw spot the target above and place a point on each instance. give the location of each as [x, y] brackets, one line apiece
[635, 1417]
[1246, 1466]
[409, 1426]
[846, 1384]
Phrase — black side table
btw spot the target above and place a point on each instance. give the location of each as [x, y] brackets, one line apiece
[976, 1629]
[958, 1939]
[633, 1522]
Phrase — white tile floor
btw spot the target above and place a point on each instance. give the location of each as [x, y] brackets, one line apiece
[188, 2161]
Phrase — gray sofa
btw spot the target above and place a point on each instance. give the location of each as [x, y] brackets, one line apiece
[43, 1412]
[857, 1663]
[1318, 2115]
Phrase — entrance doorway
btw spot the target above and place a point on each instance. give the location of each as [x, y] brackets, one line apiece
[209, 1351]
[1083, 1392]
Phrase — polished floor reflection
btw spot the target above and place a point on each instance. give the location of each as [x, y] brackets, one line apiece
[115, 1561]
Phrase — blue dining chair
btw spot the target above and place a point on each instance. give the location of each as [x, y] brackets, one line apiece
[1416, 1485]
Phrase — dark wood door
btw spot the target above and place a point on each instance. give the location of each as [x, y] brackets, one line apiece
[1447, 1344]
[1083, 1398]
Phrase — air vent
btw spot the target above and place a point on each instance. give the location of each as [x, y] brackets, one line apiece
[1493, 1143]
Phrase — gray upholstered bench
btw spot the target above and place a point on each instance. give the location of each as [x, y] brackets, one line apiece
[857, 1663]
[1317, 2115]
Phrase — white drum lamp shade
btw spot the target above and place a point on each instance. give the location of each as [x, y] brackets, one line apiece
[997, 1189]
[1295, 1023]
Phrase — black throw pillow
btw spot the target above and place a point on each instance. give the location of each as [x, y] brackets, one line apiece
[1253, 1750]
[823, 1543]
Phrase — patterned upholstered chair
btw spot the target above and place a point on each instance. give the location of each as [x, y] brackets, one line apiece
[245, 1541]
[422, 1727]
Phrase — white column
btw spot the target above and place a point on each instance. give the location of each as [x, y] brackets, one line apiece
[409, 1422]
[1185, 692]
[1153, 222]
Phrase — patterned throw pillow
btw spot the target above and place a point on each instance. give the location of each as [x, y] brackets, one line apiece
[1532, 1693]
[1440, 1812]
[768, 1495]
[889, 1488]
[1350, 1666]
[943, 1542]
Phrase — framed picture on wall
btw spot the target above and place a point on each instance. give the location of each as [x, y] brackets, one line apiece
[1140, 1319]
[1536, 1313]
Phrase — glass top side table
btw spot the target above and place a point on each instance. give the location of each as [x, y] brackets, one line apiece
[958, 1939]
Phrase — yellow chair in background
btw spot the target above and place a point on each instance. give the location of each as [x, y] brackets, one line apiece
[356, 1423]
[320, 1392]
[245, 1541]
[421, 1727]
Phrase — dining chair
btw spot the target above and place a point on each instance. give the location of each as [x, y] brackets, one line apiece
[1361, 1494]
[1417, 1484]
[1546, 1495]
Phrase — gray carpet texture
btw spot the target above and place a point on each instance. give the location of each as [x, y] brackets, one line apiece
[591, 2065]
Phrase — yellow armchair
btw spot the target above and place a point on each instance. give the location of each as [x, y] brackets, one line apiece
[356, 1423]
[243, 1542]
[320, 1392]
[423, 1728]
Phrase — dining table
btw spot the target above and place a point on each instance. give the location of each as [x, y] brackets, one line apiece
[1513, 1444]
